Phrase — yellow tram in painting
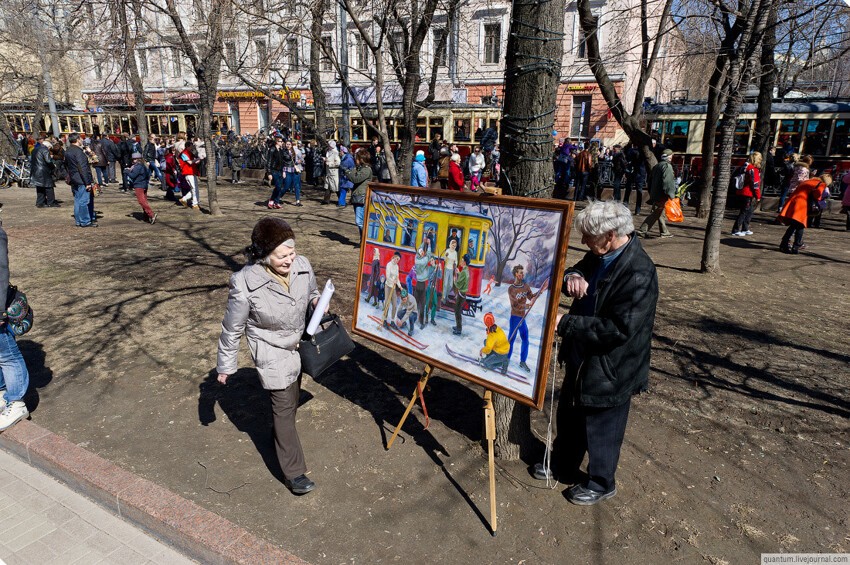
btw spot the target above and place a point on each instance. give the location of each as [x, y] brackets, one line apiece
[392, 229]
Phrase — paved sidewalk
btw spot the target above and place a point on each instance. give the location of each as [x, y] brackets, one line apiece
[42, 521]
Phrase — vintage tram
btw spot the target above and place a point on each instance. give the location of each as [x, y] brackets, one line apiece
[390, 229]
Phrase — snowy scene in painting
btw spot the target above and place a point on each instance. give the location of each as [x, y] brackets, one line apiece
[434, 247]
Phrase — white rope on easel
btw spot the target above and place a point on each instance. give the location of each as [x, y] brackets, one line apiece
[547, 457]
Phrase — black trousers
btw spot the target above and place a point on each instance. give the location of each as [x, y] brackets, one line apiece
[796, 230]
[598, 432]
[45, 196]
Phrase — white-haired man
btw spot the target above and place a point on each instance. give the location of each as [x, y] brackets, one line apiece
[606, 345]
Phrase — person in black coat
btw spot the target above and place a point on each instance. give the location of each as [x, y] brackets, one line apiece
[41, 174]
[79, 173]
[635, 176]
[125, 149]
[605, 349]
[113, 155]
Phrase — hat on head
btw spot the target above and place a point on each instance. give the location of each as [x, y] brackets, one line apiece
[136, 155]
[403, 293]
[343, 150]
[420, 156]
[667, 152]
[332, 144]
[267, 235]
[489, 320]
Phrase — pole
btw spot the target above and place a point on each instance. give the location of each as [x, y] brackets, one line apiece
[490, 435]
[343, 64]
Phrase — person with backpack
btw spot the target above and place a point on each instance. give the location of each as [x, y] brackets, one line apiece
[138, 177]
[748, 191]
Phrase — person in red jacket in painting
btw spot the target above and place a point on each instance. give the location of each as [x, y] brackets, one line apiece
[455, 174]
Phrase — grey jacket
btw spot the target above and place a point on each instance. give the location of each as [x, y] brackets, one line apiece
[272, 319]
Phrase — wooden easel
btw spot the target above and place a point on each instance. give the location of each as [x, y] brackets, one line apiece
[489, 434]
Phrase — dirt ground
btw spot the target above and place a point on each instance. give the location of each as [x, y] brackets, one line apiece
[738, 449]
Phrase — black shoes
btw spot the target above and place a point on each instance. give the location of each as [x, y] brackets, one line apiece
[524, 367]
[300, 484]
[456, 331]
[541, 473]
[584, 496]
[571, 478]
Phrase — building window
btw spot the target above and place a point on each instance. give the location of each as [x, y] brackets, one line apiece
[440, 47]
[176, 66]
[98, 69]
[143, 63]
[262, 51]
[327, 47]
[492, 42]
[292, 53]
[581, 50]
[361, 53]
[230, 54]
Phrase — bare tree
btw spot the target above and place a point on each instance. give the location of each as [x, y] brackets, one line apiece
[743, 38]
[204, 51]
[130, 66]
[654, 26]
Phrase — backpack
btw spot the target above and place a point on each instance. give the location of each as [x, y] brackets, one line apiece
[738, 178]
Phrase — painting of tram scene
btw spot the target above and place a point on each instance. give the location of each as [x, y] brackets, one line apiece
[465, 282]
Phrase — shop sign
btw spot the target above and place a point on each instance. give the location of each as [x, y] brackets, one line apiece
[581, 87]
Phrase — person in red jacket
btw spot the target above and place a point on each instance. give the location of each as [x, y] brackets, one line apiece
[795, 213]
[749, 194]
[188, 161]
[455, 174]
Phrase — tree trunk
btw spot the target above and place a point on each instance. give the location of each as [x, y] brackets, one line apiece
[711, 244]
[132, 71]
[320, 100]
[767, 82]
[204, 132]
[39, 109]
[712, 115]
[532, 75]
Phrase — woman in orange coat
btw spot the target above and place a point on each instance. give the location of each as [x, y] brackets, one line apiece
[795, 213]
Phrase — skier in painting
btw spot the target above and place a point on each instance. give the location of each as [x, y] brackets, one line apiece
[495, 353]
[390, 286]
[407, 314]
[449, 264]
[374, 277]
[432, 296]
[522, 298]
[423, 262]
[461, 284]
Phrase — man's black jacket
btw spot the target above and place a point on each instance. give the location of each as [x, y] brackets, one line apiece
[614, 342]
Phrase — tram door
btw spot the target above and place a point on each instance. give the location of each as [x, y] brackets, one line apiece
[580, 124]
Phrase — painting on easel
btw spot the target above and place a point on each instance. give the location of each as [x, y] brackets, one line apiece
[465, 282]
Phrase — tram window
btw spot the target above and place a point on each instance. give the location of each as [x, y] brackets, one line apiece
[435, 127]
[389, 229]
[64, 124]
[455, 233]
[408, 233]
[422, 129]
[742, 137]
[374, 226]
[134, 125]
[175, 125]
[125, 124]
[790, 132]
[841, 138]
[391, 129]
[190, 125]
[462, 129]
[817, 135]
[358, 129]
[676, 135]
[153, 125]
[472, 244]
[87, 124]
[483, 246]
[656, 127]
[429, 232]
[26, 123]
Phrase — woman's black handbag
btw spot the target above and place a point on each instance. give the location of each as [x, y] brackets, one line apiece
[330, 344]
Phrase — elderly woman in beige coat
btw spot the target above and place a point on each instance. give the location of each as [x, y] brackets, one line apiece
[268, 303]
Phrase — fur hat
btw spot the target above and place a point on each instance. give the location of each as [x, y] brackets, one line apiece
[136, 155]
[267, 235]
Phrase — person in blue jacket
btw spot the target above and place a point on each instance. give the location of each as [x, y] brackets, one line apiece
[418, 173]
[346, 162]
